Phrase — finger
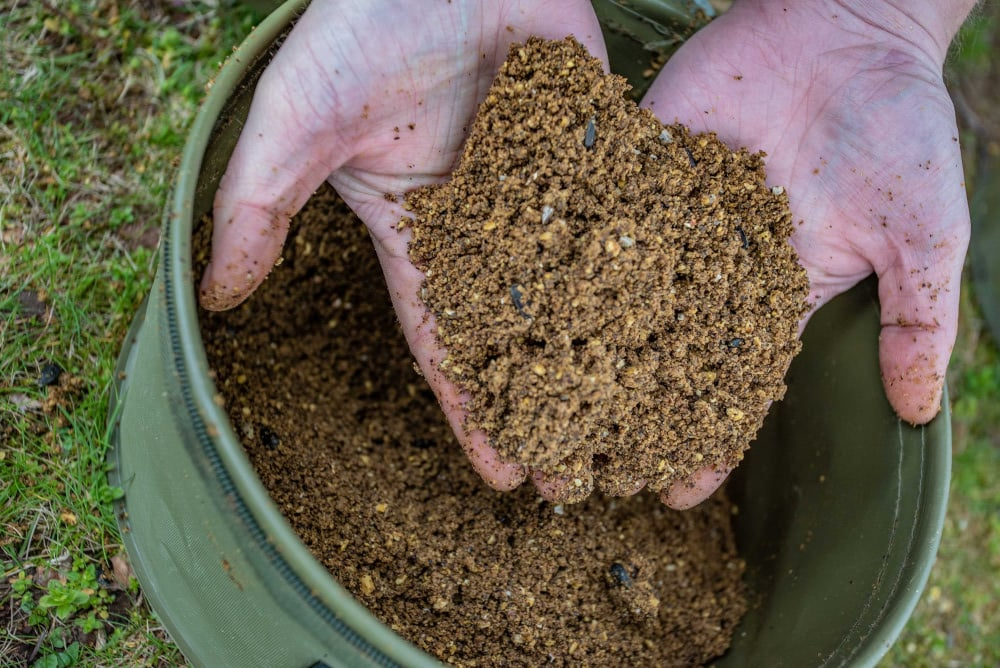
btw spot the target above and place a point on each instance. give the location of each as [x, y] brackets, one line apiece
[557, 488]
[691, 492]
[418, 324]
[498, 474]
[919, 298]
[285, 151]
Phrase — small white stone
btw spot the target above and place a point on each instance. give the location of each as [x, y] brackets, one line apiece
[547, 212]
[778, 190]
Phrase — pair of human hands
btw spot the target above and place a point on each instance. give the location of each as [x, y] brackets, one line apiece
[377, 97]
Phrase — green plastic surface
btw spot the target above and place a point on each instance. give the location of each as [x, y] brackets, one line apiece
[841, 505]
[641, 32]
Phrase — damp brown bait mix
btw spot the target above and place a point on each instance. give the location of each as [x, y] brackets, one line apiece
[618, 297]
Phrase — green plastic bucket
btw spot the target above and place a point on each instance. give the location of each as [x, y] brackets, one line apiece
[841, 504]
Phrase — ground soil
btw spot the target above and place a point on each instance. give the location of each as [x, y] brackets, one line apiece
[50, 418]
[640, 304]
[352, 445]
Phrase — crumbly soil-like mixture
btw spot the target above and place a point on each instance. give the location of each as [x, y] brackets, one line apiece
[618, 296]
[350, 442]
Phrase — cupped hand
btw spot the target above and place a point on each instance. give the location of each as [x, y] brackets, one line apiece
[859, 128]
[375, 97]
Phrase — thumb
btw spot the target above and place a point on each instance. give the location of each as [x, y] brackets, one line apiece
[284, 153]
[919, 298]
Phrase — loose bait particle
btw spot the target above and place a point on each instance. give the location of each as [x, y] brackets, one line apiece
[590, 136]
[517, 296]
[743, 237]
[694, 163]
[50, 374]
[621, 575]
[268, 438]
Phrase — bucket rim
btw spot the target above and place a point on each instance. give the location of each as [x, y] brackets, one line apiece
[216, 432]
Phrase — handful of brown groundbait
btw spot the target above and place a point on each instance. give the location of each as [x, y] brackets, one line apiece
[618, 296]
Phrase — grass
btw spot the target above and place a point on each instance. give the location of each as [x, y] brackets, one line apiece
[95, 100]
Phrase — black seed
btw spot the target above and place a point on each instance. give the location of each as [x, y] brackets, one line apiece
[422, 443]
[590, 136]
[621, 575]
[49, 375]
[694, 163]
[743, 237]
[268, 438]
[517, 296]
[534, 343]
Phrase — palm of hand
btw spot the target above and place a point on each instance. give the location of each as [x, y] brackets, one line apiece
[376, 98]
[861, 132]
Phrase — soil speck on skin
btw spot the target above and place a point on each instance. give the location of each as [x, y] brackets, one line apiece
[640, 303]
[375, 484]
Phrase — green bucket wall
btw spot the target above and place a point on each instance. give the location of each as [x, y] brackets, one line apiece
[841, 505]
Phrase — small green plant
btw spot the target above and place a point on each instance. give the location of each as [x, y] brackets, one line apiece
[90, 623]
[64, 599]
[21, 586]
[68, 597]
[62, 654]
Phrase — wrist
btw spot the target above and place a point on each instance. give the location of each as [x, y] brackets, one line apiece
[923, 28]
[929, 25]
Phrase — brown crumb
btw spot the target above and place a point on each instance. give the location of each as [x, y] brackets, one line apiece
[639, 306]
